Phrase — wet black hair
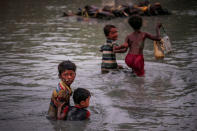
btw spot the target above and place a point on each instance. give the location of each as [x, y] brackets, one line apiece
[135, 22]
[66, 65]
[80, 94]
[107, 28]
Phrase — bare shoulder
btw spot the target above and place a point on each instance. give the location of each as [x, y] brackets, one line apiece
[145, 34]
[129, 35]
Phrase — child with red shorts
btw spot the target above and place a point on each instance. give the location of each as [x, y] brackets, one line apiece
[135, 43]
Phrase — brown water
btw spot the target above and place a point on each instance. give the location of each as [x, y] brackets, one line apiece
[34, 39]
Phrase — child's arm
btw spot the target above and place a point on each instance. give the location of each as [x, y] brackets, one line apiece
[157, 37]
[120, 49]
[157, 30]
[61, 115]
[123, 50]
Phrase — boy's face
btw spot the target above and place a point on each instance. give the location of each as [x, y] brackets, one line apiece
[85, 103]
[113, 34]
[68, 77]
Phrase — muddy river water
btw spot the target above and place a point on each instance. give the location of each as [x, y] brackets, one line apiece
[34, 39]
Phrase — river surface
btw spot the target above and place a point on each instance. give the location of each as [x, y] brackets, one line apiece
[34, 39]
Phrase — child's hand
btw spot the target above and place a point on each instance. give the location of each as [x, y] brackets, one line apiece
[60, 104]
[159, 25]
[114, 49]
[120, 67]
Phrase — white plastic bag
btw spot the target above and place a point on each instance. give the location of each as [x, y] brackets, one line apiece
[167, 44]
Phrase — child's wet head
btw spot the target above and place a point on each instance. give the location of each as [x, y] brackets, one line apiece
[81, 97]
[111, 32]
[135, 22]
[67, 71]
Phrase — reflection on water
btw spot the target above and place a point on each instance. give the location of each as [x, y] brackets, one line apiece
[34, 40]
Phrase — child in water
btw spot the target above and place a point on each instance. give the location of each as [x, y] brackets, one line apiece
[135, 43]
[108, 56]
[78, 112]
[63, 91]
